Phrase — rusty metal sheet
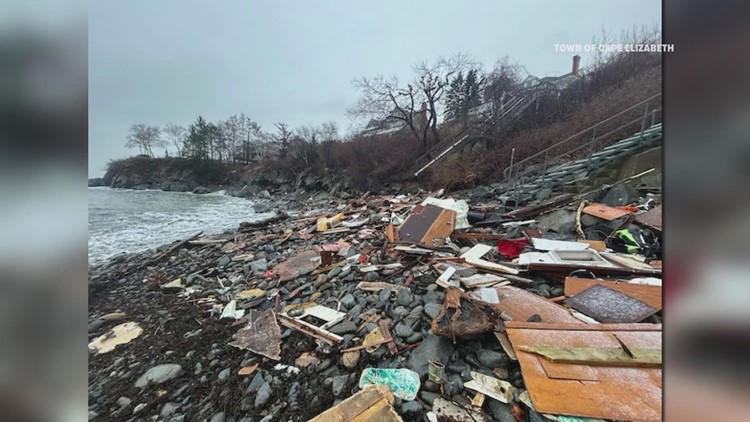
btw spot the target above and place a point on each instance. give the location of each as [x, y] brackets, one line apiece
[651, 218]
[650, 295]
[520, 305]
[262, 335]
[609, 305]
[621, 393]
[300, 264]
[605, 212]
[428, 225]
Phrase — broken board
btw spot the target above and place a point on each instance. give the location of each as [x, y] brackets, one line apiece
[428, 225]
[262, 335]
[610, 392]
[605, 212]
[520, 305]
[372, 404]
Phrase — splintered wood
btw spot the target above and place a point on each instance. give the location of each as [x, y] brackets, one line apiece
[611, 390]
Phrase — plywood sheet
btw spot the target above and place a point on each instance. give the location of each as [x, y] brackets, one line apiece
[620, 393]
[605, 212]
[520, 305]
[650, 295]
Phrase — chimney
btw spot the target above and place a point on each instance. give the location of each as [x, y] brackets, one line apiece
[576, 64]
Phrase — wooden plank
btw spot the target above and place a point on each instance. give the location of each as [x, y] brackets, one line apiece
[650, 295]
[520, 305]
[473, 257]
[620, 393]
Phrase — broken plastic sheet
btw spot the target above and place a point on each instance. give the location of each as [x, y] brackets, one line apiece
[404, 383]
[460, 207]
[491, 387]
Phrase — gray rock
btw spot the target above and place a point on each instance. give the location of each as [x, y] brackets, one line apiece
[338, 386]
[264, 394]
[223, 375]
[454, 385]
[432, 348]
[491, 358]
[411, 408]
[348, 300]
[428, 397]
[293, 394]
[224, 261]
[372, 276]
[159, 374]
[219, 417]
[256, 383]
[346, 326]
[403, 297]
[414, 338]
[432, 309]
[384, 296]
[259, 265]
[139, 407]
[168, 409]
[123, 402]
[500, 411]
[403, 330]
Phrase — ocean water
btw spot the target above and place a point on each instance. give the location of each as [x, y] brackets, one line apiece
[124, 220]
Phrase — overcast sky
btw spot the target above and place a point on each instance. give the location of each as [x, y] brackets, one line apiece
[155, 62]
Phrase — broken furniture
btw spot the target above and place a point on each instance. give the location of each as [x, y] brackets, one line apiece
[312, 312]
[597, 388]
[428, 225]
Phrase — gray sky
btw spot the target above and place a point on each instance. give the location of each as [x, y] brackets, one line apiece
[155, 62]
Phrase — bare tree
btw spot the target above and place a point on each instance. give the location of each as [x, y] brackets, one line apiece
[283, 136]
[144, 138]
[415, 104]
[176, 135]
[329, 132]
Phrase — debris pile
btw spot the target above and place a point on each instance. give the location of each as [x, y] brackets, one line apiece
[389, 307]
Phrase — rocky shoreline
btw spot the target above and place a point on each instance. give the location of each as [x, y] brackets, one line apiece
[181, 366]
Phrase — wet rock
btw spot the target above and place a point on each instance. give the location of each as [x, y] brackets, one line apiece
[428, 397]
[348, 300]
[454, 385]
[500, 411]
[432, 309]
[293, 395]
[259, 265]
[256, 383]
[123, 402]
[403, 297]
[168, 409]
[402, 330]
[264, 394]
[432, 348]
[431, 386]
[223, 375]
[491, 358]
[219, 417]
[372, 276]
[159, 374]
[350, 359]
[346, 326]
[414, 338]
[224, 261]
[338, 385]
[411, 408]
